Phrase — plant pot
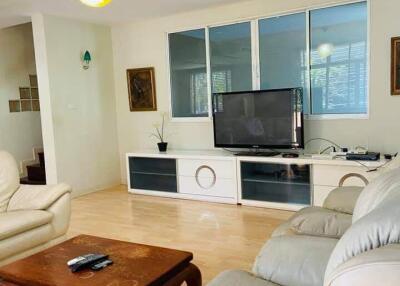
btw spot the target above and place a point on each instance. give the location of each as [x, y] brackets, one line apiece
[162, 146]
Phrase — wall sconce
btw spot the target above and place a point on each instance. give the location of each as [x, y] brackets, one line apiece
[87, 58]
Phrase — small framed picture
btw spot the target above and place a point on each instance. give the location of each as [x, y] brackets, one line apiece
[395, 74]
[142, 89]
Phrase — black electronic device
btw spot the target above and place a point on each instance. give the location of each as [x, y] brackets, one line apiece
[369, 156]
[86, 261]
[259, 119]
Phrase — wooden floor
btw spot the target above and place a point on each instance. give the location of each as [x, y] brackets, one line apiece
[220, 236]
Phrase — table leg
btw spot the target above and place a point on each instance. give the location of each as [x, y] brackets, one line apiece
[191, 275]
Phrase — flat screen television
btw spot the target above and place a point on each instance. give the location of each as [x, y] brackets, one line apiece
[259, 119]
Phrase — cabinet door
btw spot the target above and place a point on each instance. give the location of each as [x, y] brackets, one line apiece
[278, 183]
[331, 175]
[153, 174]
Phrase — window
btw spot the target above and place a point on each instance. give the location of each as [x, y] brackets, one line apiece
[230, 58]
[326, 56]
[188, 71]
[283, 52]
[339, 59]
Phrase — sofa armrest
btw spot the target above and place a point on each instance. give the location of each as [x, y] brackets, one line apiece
[29, 197]
[380, 266]
[294, 260]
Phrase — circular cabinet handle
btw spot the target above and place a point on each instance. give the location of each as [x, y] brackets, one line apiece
[345, 177]
[213, 181]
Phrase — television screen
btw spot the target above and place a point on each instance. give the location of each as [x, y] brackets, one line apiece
[259, 119]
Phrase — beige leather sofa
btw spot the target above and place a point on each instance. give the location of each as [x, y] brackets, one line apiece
[331, 246]
[31, 217]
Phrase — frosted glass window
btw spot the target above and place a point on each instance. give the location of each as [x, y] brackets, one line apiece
[339, 59]
[230, 57]
[187, 51]
[283, 52]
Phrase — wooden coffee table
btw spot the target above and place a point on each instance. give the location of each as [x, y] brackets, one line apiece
[134, 265]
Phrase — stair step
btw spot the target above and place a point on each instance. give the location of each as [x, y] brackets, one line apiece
[36, 173]
[26, 181]
[41, 159]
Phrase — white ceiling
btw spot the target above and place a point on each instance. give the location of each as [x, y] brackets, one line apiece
[14, 12]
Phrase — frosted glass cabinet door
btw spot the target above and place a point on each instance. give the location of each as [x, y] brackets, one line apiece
[230, 57]
[188, 73]
[278, 183]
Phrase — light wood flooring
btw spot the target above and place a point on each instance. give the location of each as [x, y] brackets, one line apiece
[220, 236]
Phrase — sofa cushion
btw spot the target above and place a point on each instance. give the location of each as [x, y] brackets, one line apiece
[9, 179]
[239, 278]
[13, 223]
[378, 228]
[294, 260]
[283, 229]
[326, 223]
[374, 193]
[343, 199]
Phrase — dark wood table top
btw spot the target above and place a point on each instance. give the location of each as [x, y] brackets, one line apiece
[134, 264]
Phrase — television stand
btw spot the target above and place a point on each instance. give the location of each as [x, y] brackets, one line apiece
[258, 154]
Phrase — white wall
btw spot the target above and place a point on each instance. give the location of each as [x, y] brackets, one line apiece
[19, 132]
[144, 44]
[80, 104]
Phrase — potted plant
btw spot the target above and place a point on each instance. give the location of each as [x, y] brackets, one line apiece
[159, 134]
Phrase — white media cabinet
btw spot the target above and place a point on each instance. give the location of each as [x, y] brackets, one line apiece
[219, 176]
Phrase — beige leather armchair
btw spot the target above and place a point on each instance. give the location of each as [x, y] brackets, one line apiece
[318, 246]
[31, 217]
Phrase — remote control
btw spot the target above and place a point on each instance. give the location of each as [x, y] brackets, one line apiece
[85, 261]
[101, 265]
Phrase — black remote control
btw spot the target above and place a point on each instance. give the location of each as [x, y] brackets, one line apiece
[86, 261]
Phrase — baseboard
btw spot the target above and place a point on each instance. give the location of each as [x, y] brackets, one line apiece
[76, 194]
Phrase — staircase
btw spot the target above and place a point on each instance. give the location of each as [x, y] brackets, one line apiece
[36, 173]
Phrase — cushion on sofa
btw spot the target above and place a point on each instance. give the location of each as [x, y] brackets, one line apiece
[13, 223]
[239, 278]
[285, 228]
[375, 192]
[9, 179]
[378, 228]
[326, 223]
[343, 199]
[294, 260]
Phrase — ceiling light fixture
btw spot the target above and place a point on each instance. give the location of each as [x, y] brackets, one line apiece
[96, 3]
[325, 50]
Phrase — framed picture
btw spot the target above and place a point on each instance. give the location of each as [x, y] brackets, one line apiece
[395, 80]
[142, 89]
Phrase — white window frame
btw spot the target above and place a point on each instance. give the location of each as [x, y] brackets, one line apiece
[255, 56]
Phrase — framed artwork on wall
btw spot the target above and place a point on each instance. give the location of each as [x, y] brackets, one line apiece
[395, 74]
[142, 89]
